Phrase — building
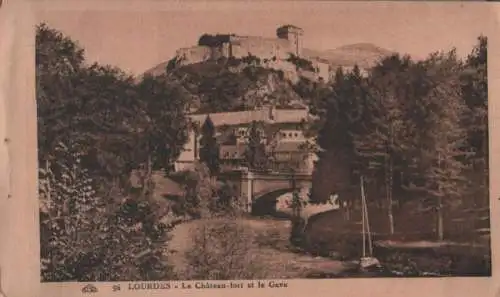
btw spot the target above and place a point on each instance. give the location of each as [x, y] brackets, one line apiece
[273, 52]
[281, 134]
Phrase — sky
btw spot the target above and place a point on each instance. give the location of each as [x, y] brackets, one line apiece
[137, 36]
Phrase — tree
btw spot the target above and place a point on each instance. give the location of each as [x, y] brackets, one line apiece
[384, 137]
[84, 237]
[297, 204]
[255, 154]
[89, 120]
[222, 250]
[218, 88]
[58, 62]
[108, 121]
[229, 201]
[439, 144]
[209, 149]
[475, 93]
[340, 116]
[92, 106]
[199, 200]
[164, 134]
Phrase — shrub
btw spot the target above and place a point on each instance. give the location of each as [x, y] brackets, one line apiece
[86, 237]
[222, 250]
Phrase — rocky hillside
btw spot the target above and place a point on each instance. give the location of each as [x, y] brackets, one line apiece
[365, 55]
[240, 84]
[231, 85]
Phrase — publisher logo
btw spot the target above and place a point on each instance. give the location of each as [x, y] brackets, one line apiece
[89, 289]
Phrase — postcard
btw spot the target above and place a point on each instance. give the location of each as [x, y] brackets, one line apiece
[227, 148]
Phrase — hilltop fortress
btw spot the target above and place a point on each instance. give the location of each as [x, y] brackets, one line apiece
[283, 135]
[274, 53]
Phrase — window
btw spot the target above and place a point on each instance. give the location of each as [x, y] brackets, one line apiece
[283, 135]
[226, 154]
[290, 134]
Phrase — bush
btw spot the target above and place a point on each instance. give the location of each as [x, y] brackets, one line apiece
[88, 237]
[221, 250]
[275, 239]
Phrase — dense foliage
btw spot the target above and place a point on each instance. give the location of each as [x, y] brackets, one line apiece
[96, 125]
[255, 153]
[417, 130]
[214, 40]
[222, 250]
[209, 148]
[233, 85]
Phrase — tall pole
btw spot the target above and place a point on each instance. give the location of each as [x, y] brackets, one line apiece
[363, 216]
[439, 206]
[366, 222]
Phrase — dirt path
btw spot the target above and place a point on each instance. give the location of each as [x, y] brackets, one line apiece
[178, 245]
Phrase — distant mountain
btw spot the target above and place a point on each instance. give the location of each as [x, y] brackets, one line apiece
[365, 55]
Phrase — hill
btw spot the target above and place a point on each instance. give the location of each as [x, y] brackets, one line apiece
[365, 55]
[233, 85]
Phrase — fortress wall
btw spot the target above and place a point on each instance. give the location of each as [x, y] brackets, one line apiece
[290, 115]
[265, 48]
[323, 70]
[195, 54]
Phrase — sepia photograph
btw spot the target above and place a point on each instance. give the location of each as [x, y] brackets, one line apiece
[284, 140]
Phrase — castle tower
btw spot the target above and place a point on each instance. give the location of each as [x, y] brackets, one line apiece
[294, 35]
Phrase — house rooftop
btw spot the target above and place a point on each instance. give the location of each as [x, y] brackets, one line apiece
[277, 116]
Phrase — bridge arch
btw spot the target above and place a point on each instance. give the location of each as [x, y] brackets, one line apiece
[266, 203]
[261, 189]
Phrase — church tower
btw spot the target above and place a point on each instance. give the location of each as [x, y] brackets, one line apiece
[294, 35]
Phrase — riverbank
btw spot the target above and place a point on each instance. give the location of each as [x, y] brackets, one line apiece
[272, 249]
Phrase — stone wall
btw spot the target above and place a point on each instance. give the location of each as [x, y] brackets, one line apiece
[323, 69]
[264, 48]
[195, 54]
[239, 46]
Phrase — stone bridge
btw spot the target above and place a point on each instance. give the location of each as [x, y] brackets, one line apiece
[261, 189]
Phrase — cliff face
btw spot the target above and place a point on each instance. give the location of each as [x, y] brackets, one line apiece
[230, 85]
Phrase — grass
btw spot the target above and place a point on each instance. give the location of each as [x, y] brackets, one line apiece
[268, 249]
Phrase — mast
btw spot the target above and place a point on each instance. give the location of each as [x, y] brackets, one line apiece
[363, 216]
[370, 248]
[365, 221]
